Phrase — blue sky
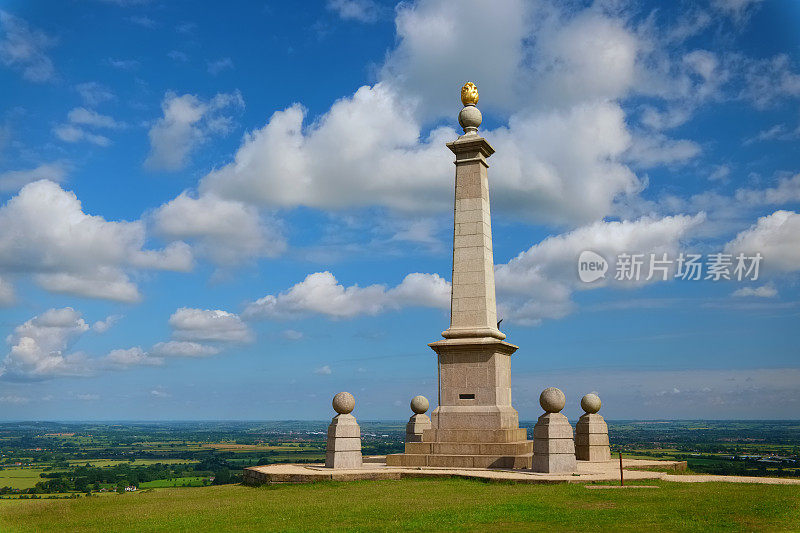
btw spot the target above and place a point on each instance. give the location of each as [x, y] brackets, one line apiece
[216, 212]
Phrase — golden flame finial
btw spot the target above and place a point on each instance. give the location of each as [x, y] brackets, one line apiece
[469, 94]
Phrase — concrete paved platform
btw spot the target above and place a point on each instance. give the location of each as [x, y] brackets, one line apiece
[587, 472]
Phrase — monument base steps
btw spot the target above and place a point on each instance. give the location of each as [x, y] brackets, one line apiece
[467, 448]
[516, 462]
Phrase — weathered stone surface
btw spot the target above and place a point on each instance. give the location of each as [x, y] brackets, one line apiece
[417, 424]
[591, 437]
[344, 443]
[591, 403]
[591, 427]
[593, 453]
[476, 435]
[459, 461]
[406, 459]
[552, 422]
[553, 444]
[552, 400]
[344, 426]
[554, 463]
[343, 459]
[471, 448]
[419, 404]
[344, 403]
[552, 431]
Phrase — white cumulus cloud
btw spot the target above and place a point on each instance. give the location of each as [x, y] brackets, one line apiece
[539, 282]
[208, 325]
[186, 123]
[321, 293]
[776, 237]
[72, 134]
[47, 234]
[556, 79]
[101, 326]
[13, 180]
[764, 291]
[124, 358]
[39, 346]
[183, 349]
[225, 231]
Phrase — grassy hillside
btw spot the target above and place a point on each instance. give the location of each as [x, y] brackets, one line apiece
[419, 505]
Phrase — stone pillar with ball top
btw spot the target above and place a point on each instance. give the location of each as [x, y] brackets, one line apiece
[419, 421]
[553, 444]
[344, 435]
[474, 424]
[591, 432]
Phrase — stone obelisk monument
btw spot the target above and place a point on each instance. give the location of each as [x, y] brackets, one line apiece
[474, 424]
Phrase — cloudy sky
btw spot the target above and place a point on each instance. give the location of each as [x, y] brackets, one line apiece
[234, 212]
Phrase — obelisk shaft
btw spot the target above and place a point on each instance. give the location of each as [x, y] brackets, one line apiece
[473, 311]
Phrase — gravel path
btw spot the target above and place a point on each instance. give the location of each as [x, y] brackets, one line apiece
[587, 472]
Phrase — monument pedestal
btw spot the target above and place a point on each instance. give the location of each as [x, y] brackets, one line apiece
[344, 435]
[554, 447]
[344, 443]
[591, 432]
[417, 424]
[474, 425]
[591, 438]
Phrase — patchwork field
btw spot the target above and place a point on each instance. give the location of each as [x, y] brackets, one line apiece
[135, 462]
[419, 505]
[176, 482]
[20, 478]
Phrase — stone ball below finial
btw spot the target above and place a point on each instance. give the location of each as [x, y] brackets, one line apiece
[344, 403]
[591, 403]
[419, 404]
[469, 94]
[470, 118]
[552, 400]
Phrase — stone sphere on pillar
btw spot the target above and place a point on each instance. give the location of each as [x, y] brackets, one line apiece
[344, 403]
[552, 400]
[591, 403]
[470, 118]
[419, 404]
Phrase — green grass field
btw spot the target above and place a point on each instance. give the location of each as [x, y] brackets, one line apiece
[175, 482]
[20, 478]
[419, 505]
[137, 462]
